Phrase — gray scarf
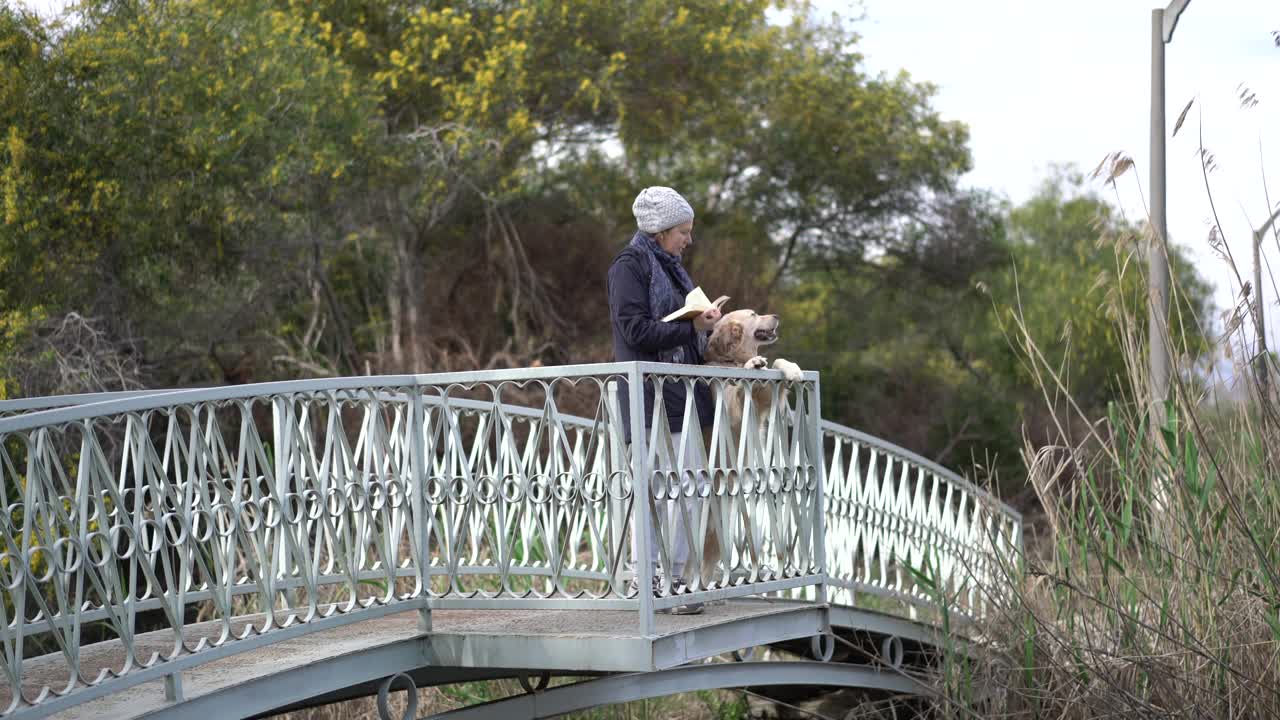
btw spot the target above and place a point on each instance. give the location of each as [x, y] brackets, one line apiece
[664, 297]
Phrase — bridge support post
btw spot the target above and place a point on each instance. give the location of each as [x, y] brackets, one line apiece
[282, 454]
[421, 507]
[642, 520]
[173, 688]
[819, 498]
[617, 502]
[819, 495]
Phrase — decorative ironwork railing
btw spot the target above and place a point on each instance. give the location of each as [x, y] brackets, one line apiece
[742, 498]
[309, 504]
[908, 531]
[305, 505]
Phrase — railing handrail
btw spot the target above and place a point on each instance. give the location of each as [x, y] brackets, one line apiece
[92, 398]
[49, 402]
[129, 401]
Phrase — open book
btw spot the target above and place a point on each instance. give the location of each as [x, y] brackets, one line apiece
[695, 303]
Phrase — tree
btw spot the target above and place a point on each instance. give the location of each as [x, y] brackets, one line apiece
[1076, 273]
[901, 335]
[920, 342]
[187, 155]
[352, 186]
[512, 100]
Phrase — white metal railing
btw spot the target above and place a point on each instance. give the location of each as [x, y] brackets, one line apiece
[744, 497]
[309, 504]
[306, 504]
[908, 531]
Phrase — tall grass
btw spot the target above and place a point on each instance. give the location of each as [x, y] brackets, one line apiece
[1151, 586]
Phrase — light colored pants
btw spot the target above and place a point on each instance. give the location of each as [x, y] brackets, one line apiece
[671, 515]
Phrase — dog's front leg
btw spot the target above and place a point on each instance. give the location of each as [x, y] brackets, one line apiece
[758, 362]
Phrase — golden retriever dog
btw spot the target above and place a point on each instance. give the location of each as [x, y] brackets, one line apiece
[736, 341]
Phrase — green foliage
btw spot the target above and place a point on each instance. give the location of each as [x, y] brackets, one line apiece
[920, 344]
[831, 149]
[1077, 270]
[337, 187]
[160, 154]
[37, 242]
[1147, 585]
[904, 337]
[733, 707]
[303, 181]
[334, 183]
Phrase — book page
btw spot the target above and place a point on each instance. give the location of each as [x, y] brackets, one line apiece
[696, 298]
[695, 303]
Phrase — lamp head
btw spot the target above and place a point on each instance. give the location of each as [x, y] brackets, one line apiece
[1171, 14]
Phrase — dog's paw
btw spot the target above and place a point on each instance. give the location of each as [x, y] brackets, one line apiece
[790, 370]
[756, 363]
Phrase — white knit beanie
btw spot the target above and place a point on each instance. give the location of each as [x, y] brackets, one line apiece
[659, 208]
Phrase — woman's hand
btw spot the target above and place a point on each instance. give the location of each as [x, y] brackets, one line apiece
[707, 320]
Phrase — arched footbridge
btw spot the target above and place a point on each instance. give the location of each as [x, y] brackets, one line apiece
[239, 551]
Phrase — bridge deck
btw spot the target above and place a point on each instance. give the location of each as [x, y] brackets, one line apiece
[588, 641]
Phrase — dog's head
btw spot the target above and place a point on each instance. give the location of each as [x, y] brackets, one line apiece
[739, 335]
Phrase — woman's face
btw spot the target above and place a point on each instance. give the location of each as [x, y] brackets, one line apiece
[676, 239]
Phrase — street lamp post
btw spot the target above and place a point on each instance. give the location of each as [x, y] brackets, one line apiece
[1163, 22]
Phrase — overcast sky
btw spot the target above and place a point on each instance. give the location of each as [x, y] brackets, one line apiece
[1042, 83]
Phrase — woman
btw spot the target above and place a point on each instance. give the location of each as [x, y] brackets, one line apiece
[646, 283]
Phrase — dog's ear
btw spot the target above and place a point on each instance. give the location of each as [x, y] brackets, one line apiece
[724, 339]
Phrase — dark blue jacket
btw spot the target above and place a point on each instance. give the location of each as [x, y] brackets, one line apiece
[636, 336]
